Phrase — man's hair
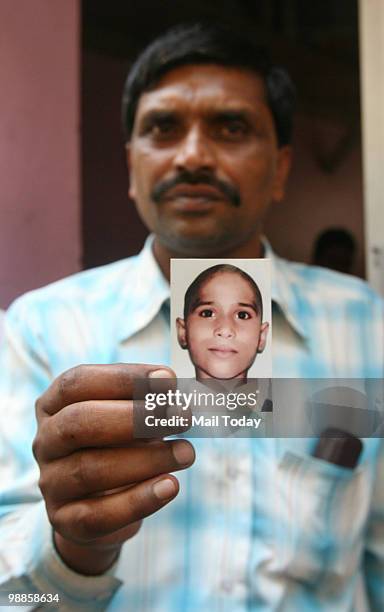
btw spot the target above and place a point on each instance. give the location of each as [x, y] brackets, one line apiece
[210, 44]
[191, 297]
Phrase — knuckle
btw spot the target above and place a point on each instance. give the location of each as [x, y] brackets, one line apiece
[49, 484]
[39, 405]
[79, 522]
[70, 426]
[124, 374]
[166, 456]
[86, 522]
[36, 447]
[57, 518]
[43, 485]
[67, 380]
[41, 442]
[66, 433]
[81, 474]
[134, 528]
[53, 514]
[138, 504]
[163, 455]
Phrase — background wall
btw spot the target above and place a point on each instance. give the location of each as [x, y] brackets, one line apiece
[317, 199]
[111, 228]
[39, 143]
[371, 19]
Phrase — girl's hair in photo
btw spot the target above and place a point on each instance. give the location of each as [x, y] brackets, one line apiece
[191, 297]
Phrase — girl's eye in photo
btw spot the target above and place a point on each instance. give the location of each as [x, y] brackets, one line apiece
[244, 315]
[206, 313]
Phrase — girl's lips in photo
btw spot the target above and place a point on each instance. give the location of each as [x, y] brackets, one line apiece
[222, 352]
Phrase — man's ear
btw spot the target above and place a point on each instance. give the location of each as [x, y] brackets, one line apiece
[283, 167]
[263, 337]
[181, 332]
[131, 190]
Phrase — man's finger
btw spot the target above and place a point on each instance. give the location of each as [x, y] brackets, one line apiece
[87, 425]
[89, 519]
[93, 382]
[94, 470]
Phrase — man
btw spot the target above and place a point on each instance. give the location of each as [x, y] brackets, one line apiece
[257, 524]
[335, 248]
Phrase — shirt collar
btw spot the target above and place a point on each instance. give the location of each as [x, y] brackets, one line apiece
[285, 290]
[148, 289]
[144, 293]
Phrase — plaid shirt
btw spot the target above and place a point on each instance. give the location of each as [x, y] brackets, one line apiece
[258, 524]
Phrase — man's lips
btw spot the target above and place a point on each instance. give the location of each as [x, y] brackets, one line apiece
[194, 189]
[194, 192]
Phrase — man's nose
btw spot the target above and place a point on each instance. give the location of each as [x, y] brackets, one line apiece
[195, 151]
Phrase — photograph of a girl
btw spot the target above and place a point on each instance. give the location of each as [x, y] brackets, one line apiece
[223, 328]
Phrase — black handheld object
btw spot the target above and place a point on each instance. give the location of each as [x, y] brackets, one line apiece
[338, 447]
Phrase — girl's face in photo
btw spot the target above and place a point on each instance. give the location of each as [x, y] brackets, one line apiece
[224, 332]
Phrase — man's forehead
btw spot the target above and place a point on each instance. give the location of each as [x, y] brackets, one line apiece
[209, 84]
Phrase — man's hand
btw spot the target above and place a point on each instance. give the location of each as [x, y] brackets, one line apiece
[98, 482]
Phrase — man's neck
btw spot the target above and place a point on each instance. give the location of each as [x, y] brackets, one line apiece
[251, 249]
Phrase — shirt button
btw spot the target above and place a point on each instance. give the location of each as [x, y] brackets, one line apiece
[101, 596]
[226, 586]
[232, 472]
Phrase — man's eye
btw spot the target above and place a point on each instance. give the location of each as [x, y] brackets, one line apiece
[234, 127]
[161, 128]
[206, 313]
[243, 314]
[233, 130]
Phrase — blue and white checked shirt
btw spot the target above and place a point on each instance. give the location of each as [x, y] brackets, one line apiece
[258, 524]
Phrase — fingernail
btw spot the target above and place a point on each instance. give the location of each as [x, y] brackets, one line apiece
[164, 489]
[183, 452]
[160, 374]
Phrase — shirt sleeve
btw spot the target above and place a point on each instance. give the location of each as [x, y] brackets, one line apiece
[28, 560]
[30, 565]
[374, 552]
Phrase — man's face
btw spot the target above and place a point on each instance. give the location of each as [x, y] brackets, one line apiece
[203, 159]
[223, 333]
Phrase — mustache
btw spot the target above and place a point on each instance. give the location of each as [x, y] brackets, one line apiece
[185, 177]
